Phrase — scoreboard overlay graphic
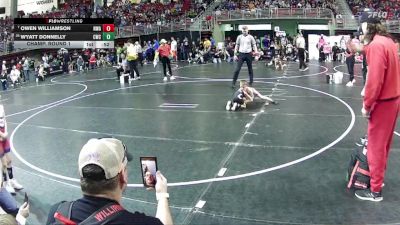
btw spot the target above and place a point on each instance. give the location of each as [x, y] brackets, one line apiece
[63, 33]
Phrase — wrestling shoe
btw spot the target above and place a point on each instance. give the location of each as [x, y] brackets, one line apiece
[228, 105]
[234, 106]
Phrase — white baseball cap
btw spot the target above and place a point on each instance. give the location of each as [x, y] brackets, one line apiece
[108, 153]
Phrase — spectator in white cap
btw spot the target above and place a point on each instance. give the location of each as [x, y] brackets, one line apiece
[104, 177]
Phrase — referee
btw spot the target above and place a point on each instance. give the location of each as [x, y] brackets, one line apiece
[301, 45]
[245, 45]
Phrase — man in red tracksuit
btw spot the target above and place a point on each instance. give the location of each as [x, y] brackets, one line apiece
[381, 100]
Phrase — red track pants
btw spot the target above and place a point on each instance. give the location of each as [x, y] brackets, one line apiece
[381, 126]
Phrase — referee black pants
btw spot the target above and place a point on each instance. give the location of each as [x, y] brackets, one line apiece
[244, 57]
[133, 68]
[302, 58]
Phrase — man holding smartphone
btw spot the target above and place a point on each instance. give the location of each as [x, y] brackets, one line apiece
[104, 177]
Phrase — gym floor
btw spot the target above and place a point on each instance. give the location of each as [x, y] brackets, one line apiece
[285, 164]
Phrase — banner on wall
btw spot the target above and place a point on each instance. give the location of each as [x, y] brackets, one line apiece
[36, 6]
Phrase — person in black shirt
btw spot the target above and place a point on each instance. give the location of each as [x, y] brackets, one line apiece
[336, 52]
[104, 177]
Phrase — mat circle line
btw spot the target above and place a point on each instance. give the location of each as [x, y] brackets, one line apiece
[266, 78]
[185, 183]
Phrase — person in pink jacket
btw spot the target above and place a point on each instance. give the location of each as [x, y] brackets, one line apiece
[381, 101]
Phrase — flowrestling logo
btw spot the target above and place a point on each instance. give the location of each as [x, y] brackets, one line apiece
[378, 15]
[43, 2]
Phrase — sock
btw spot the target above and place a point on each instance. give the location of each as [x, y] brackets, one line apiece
[10, 173]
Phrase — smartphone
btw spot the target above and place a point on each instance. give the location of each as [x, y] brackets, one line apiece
[26, 199]
[149, 169]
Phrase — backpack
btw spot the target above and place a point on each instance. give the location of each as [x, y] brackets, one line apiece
[100, 217]
[358, 176]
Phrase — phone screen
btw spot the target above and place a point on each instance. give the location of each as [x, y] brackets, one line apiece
[149, 169]
[26, 199]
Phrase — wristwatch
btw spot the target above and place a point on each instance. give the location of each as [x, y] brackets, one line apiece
[162, 195]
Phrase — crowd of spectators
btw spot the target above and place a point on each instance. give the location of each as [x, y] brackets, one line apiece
[127, 13]
[391, 7]
[5, 28]
[16, 71]
[267, 4]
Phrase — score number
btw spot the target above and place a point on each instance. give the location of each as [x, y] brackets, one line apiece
[108, 32]
[108, 27]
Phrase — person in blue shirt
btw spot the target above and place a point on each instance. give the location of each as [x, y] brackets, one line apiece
[156, 45]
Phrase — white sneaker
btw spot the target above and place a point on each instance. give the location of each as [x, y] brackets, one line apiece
[172, 77]
[165, 79]
[8, 187]
[354, 81]
[305, 69]
[363, 92]
[14, 183]
[228, 105]
[234, 106]
[138, 78]
[349, 84]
